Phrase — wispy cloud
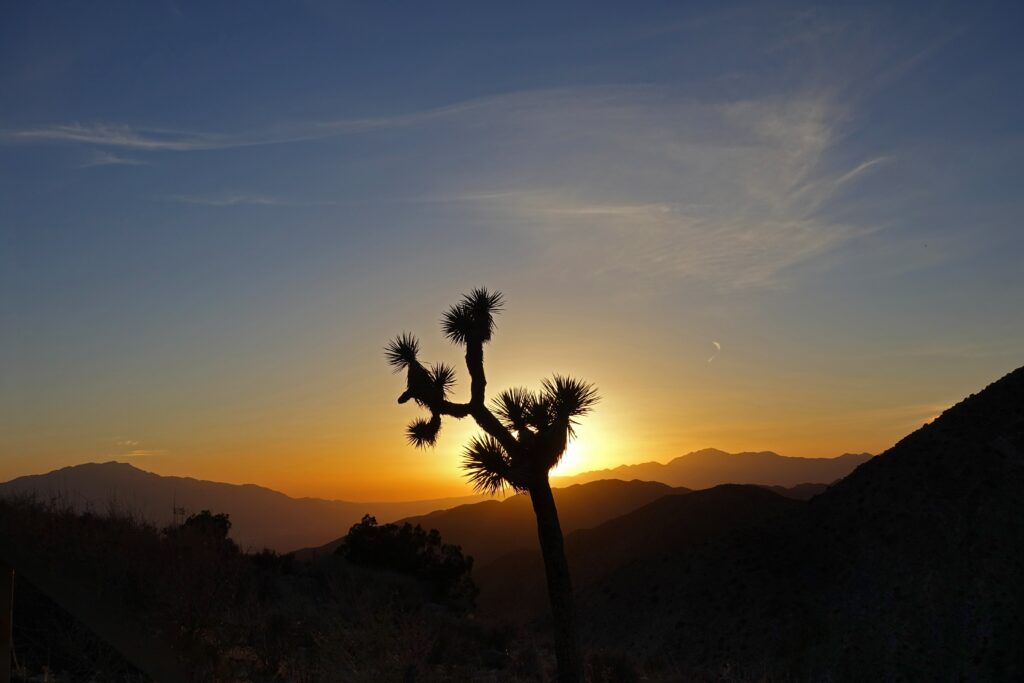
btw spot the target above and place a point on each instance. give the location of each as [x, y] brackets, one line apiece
[358, 125]
[240, 199]
[120, 136]
[146, 139]
[143, 139]
[130, 448]
[228, 200]
[637, 179]
[613, 178]
[109, 159]
[141, 453]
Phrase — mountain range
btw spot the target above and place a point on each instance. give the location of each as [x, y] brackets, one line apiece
[710, 467]
[262, 517]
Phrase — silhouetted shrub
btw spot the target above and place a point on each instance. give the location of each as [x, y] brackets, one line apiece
[205, 528]
[414, 551]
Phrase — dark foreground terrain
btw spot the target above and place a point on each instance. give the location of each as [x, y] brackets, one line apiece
[910, 568]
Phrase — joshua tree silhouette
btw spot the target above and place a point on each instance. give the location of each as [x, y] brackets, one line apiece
[525, 436]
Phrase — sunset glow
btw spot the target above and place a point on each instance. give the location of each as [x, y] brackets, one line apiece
[741, 225]
[576, 459]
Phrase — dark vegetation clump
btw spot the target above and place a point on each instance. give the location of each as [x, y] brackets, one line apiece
[411, 550]
[112, 597]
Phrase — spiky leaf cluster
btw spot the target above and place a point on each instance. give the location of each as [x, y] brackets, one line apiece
[428, 387]
[487, 465]
[442, 377]
[472, 319]
[561, 400]
[401, 352]
[422, 433]
[512, 407]
[568, 398]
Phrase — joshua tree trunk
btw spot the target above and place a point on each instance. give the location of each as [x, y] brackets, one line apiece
[525, 437]
[567, 649]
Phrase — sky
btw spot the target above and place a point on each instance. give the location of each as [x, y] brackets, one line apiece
[753, 227]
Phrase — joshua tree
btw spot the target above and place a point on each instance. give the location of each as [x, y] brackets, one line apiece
[525, 435]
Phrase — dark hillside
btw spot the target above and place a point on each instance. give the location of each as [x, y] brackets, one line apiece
[911, 568]
[514, 584]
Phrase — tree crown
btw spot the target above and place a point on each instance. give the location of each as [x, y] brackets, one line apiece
[527, 432]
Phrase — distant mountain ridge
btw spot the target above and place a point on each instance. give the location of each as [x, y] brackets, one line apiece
[711, 467]
[260, 517]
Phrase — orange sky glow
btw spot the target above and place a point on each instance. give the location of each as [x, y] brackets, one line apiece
[751, 229]
[340, 434]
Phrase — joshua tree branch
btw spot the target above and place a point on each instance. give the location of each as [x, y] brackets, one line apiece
[490, 424]
[475, 365]
[483, 417]
[457, 410]
[477, 406]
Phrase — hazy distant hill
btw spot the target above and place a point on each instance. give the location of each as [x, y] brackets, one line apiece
[260, 517]
[910, 568]
[711, 467]
[492, 528]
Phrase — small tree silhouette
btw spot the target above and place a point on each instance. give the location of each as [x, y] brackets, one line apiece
[525, 436]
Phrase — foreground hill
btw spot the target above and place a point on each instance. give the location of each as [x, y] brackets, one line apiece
[711, 467]
[260, 517]
[111, 598]
[489, 529]
[911, 568]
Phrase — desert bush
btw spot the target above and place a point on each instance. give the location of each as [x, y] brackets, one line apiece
[413, 551]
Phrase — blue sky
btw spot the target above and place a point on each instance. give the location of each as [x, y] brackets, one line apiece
[212, 218]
